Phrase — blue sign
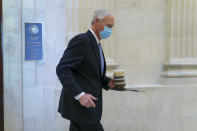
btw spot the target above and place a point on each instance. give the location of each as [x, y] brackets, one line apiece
[33, 41]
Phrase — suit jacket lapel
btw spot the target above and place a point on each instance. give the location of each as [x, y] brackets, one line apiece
[105, 67]
[96, 49]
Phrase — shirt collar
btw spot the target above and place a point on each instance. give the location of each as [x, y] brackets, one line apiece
[97, 40]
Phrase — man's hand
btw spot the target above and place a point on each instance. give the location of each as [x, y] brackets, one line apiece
[111, 84]
[87, 100]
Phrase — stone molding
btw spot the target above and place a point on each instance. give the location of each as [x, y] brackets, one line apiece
[182, 39]
[180, 68]
[111, 65]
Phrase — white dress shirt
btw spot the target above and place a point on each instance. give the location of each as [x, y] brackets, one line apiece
[77, 97]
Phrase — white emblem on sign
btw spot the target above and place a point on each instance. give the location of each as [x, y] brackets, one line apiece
[33, 29]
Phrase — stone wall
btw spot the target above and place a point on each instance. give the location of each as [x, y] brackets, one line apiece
[30, 95]
[141, 39]
[158, 109]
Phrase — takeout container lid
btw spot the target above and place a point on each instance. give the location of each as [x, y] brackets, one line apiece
[119, 79]
[119, 75]
[120, 83]
[119, 70]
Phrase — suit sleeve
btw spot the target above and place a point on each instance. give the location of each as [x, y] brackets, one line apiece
[105, 82]
[69, 63]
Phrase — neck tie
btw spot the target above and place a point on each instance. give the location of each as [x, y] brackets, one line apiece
[102, 58]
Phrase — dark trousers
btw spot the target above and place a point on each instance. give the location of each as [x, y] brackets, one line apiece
[82, 127]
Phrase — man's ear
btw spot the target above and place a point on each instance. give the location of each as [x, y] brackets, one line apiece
[96, 21]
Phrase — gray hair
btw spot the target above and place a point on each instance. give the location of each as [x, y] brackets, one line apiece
[100, 14]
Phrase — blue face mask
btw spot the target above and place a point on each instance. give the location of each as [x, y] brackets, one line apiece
[106, 32]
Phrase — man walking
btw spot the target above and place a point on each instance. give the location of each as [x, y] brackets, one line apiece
[81, 71]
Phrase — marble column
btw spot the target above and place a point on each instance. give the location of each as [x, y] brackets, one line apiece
[12, 65]
[182, 41]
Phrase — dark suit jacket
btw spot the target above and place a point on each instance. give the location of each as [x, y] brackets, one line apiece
[79, 71]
